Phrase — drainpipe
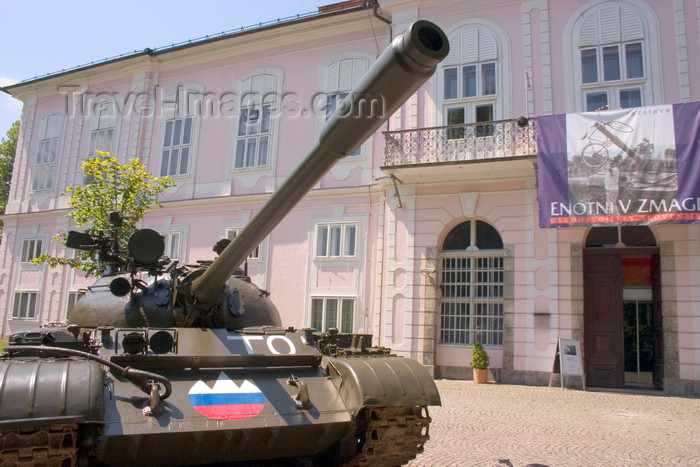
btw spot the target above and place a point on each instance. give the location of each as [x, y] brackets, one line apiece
[375, 6]
[380, 224]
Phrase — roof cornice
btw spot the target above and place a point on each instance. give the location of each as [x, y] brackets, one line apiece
[245, 41]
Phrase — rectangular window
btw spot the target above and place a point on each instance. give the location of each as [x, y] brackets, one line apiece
[45, 164]
[350, 236]
[31, 248]
[488, 79]
[233, 233]
[172, 244]
[589, 66]
[451, 83]
[253, 137]
[469, 81]
[630, 98]
[24, 306]
[332, 312]
[484, 113]
[100, 140]
[455, 116]
[634, 60]
[73, 297]
[332, 102]
[472, 300]
[176, 147]
[611, 63]
[47, 153]
[596, 101]
[336, 240]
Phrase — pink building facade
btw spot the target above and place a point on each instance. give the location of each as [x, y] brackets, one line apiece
[428, 237]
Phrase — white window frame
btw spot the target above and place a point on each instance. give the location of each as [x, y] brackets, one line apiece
[339, 321]
[170, 235]
[256, 254]
[48, 152]
[260, 93]
[339, 76]
[32, 247]
[71, 299]
[324, 244]
[649, 85]
[183, 109]
[32, 305]
[103, 130]
[492, 48]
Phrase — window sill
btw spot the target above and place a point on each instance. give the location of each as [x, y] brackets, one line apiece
[339, 259]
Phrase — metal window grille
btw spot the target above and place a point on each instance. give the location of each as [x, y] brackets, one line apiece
[472, 300]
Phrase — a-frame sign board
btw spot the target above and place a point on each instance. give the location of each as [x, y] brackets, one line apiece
[568, 360]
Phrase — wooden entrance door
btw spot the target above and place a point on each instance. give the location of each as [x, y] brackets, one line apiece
[603, 319]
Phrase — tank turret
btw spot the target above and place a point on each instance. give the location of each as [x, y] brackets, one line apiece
[210, 294]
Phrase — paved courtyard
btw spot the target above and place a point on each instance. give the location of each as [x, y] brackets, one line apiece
[502, 425]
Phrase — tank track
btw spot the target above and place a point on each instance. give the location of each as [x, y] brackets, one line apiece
[47, 445]
[392, 435]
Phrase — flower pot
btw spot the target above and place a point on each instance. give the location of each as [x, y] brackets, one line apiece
[480, 376]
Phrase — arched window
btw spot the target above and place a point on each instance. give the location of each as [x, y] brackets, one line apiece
[103, 129]
[48, 152]
[471, 79]
[471, 281]
[612, 58]
[257, 124]
[181, 127]
[620, 236]
[339, 76]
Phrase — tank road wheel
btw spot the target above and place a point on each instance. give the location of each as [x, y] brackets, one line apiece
[390, 435]
[53, 445]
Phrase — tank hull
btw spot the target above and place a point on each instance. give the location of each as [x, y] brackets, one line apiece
[234, 396]
[183, 435]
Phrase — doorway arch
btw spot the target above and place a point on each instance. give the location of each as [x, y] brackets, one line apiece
[623, 337]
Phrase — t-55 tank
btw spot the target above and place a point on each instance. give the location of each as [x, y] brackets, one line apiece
[167, 364]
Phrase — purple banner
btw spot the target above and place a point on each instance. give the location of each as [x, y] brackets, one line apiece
[620, 167]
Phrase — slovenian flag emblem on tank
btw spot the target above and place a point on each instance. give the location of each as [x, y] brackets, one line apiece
[226, 400]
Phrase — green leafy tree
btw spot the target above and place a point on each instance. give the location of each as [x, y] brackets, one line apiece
[7, 158]
[127, 189]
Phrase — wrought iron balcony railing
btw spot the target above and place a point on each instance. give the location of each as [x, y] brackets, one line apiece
[456, 143]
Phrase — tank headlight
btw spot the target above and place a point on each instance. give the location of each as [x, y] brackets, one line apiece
[134, 343]
[161, 342]
[120, 286]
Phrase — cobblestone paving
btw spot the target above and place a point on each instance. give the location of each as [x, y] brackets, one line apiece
[501, 425]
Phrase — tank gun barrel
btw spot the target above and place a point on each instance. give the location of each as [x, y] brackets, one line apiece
[399, 71]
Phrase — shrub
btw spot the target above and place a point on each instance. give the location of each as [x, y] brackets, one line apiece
[480, 359]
